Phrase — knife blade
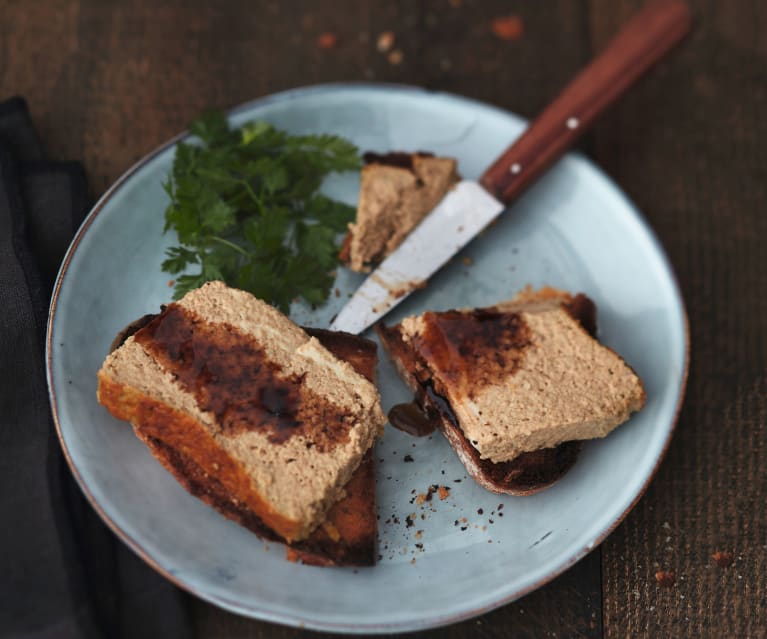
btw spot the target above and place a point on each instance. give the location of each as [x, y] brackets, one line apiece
[470, 206]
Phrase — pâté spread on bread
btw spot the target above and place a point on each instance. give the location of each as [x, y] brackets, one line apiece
[257, 407]
[516, 386]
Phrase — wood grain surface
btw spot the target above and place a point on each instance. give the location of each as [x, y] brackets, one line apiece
[108, 81]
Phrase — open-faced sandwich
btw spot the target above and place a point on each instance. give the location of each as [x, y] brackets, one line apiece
[270, 424]
[517, 386]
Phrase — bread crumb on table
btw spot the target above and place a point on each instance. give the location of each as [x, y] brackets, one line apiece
[723, 558]
[508, 27]
[665, 578]
[396, 57]
[327, 41]
[385, 41]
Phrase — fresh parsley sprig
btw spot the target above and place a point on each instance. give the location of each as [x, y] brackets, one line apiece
[246, 206]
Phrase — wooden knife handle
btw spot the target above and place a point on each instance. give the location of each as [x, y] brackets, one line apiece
[641, 43]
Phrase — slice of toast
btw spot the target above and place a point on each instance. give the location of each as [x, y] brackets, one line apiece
[224, 388]
[516, 386]
[397, 190]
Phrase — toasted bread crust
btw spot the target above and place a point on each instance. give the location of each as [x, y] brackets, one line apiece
[526, 474]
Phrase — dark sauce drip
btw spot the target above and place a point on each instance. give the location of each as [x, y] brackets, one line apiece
[227, 373]
[440, 403]
[411, 419]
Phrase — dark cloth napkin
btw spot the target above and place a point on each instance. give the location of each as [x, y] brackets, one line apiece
[62, 572]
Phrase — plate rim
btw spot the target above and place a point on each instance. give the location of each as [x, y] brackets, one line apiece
[263, 613]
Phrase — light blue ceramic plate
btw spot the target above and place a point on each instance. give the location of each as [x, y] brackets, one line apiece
[573, 230]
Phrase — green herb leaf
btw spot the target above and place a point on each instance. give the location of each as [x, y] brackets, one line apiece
[212, 128]
[335, 215]
[178, 259]
[246, 206]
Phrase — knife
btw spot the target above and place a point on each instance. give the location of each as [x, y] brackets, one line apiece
[470, 206]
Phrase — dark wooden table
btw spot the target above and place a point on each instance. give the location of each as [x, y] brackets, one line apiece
[108, 81]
